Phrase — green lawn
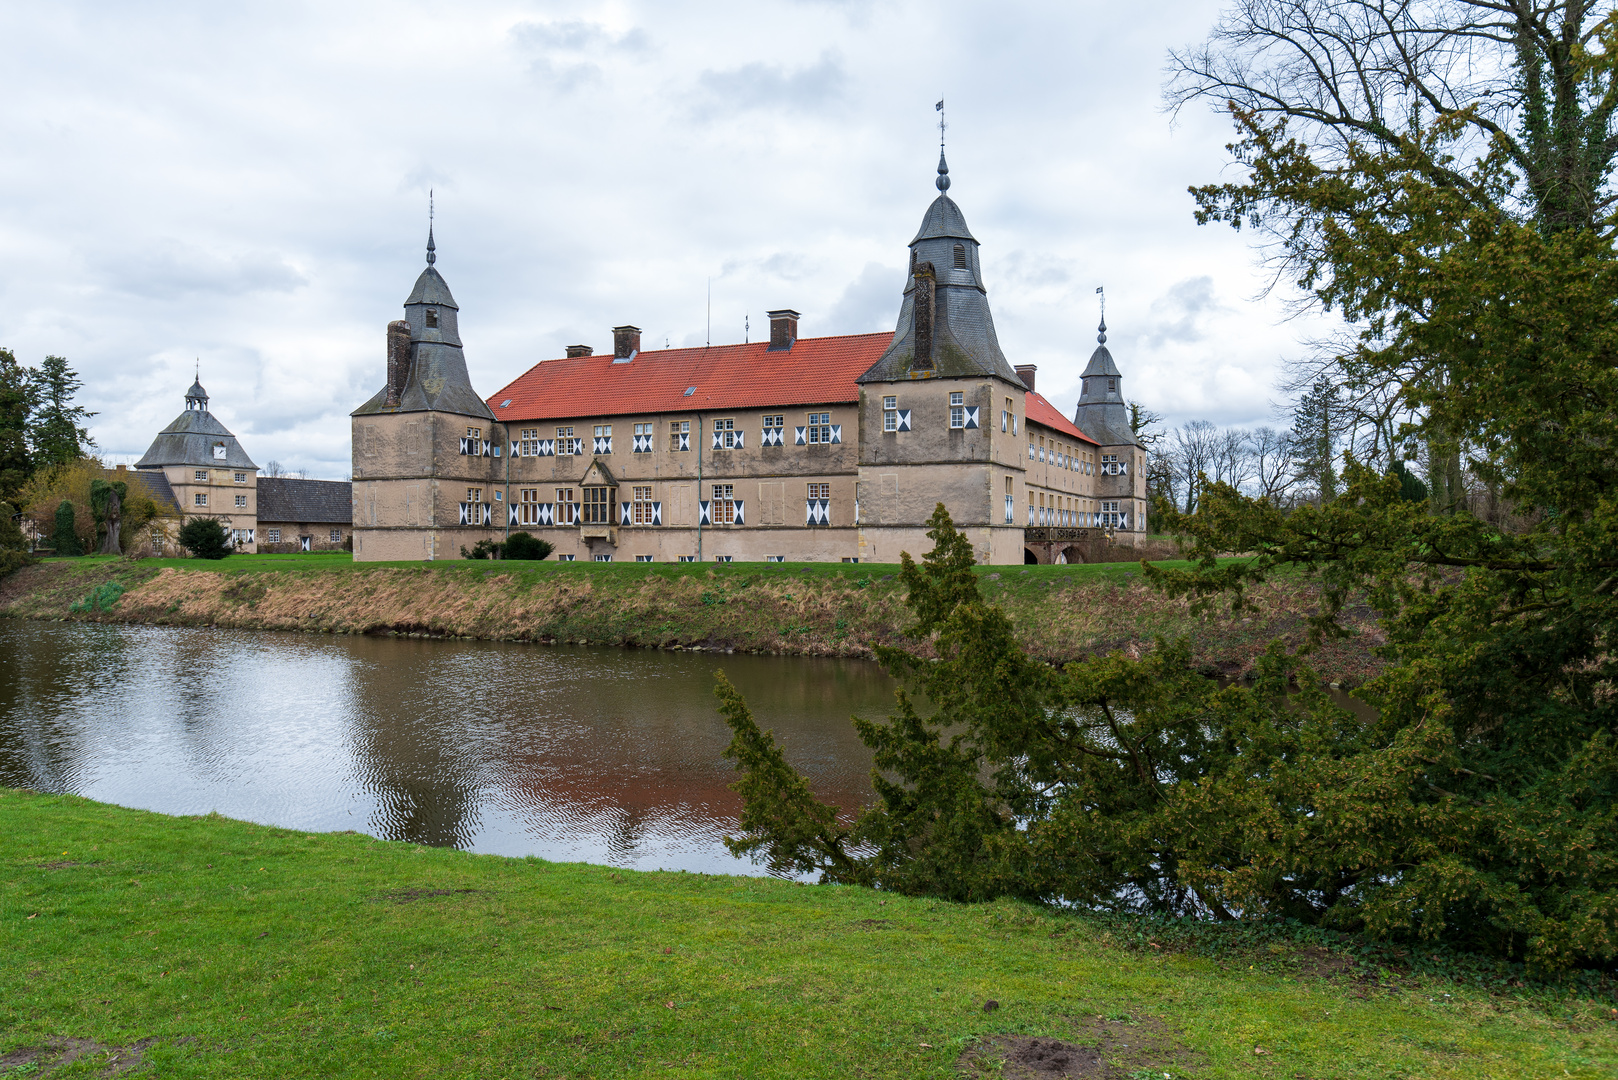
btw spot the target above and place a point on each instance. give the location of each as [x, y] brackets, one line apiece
[217, 948]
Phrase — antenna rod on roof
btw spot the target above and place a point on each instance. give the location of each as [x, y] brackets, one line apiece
[747, 327]
[709, 342]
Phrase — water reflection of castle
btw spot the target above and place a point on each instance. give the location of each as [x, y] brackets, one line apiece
[813, 449]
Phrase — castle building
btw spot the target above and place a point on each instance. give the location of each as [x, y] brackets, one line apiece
[791, 449]
[196, 466]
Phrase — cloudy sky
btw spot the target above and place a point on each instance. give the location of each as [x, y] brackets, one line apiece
[246, 185]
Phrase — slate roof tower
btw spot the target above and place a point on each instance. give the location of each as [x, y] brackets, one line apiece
[425, 446]
[205, 469]
[1101, 412]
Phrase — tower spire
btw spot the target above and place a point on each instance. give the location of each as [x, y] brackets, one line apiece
[1101, 331]
[943, 166]
[432, 248]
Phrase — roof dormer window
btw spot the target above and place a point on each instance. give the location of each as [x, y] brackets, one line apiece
[432, 317]
[960, 256]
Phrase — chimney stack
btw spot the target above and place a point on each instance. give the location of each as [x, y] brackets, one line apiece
[579, 350]
[625, 342]
[783, 329]
[398, 360]
[1025, 372]
[926, 279]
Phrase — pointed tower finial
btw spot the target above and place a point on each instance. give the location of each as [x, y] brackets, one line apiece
[943, 166]
[431, 247]
[1101, 331]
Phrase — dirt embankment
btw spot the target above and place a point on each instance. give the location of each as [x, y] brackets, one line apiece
[1057, 618]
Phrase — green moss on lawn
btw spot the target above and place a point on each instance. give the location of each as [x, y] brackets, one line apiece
[219, 948]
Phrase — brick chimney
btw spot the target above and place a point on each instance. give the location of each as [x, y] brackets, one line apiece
[625, 342]
[926, 280]
[398, 360]
[783, 329]
[1025, 372]
[579, 350]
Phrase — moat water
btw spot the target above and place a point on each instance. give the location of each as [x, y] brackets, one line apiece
[566, 752]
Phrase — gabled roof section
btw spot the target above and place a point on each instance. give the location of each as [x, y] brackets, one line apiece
[286, 499]
[598, 475]
[815, 371]
[1043, 413]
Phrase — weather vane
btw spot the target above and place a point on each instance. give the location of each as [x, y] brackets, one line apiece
[941, 124]
[1101, 331]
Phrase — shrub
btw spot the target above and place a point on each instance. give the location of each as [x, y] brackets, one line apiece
[521, 545]
[11, 537]
[14, 560]
[63, 539]
[205, 538]
[484, 549]
[103, 597]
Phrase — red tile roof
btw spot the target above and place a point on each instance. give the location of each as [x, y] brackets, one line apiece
[816, 371]
[1043, 412]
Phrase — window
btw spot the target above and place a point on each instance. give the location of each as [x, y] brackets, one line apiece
[566, 444]
[724, 505]
[686, 558]
[528, 442]
[725, 435]
[890, 414]
[567, 511]
[819, 427]
[724, 558]
[528, 506]
[1110, 465]
[601, 558]
[644, 558]
[241, 500]
[1112, 384]
[240, 478]
[854, 559]
[273, 535]
[960, 256]
[777, 421]
[474, 433]
[679, 435]
[336, 536]
[775, 558]
[474, 495]
[597, 506]
[642, 443]
[432, 316]
[957, 410]
[640, 505]
[564, 558]
[201, 476]
[820, 491]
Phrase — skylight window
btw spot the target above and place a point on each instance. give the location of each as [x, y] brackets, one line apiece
[506, 404]
[690, 390]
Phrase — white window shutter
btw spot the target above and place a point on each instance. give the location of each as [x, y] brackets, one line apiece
[904, 420]
[739, 435]
[717, 441]
[972, 416]
[464, 513]
[739, 519]
[623, 513]
[799, 438]
[685, 440]
[514, 448]
[703, 517]
[511, 513]
[657, 513]
[464, 441]
[837, 433]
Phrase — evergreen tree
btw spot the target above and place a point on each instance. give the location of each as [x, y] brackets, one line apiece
[1316, 426]
[16, 405]
[56, 429]
[64, 539]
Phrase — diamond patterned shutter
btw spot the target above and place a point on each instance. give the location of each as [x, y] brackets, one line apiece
[514, 448]
[623, 513]
[702, 513]
[488, 514]
[972, 416]
[819, 512]
[685, 440]
[641, 444]
[739, 434]
[837, 433]
[547, 513]
[718, 440]
[464, 441]
[904, 419]
[657, 513]
[739, 519]
[511, 513]
[771, 437]
[466, 513]
[800, 438]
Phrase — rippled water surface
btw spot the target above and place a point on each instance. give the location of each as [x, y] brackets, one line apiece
[569, 753]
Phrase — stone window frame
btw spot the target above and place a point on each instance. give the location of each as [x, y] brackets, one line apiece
[957, 409]
[722, 508]
[640, 504]
[818, 428]
[596, 506]
[200, 499]
[240, 478]
[677, 428]
[567, 510]
[890, 413]
[241, 500]
[272, 536]
[199, 476]
[726, 436]
[335, 536]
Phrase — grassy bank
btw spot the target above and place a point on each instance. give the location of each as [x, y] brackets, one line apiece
[203, 947]
[1061, 612]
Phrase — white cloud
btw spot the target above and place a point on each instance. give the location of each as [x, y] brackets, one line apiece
[247, 185]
